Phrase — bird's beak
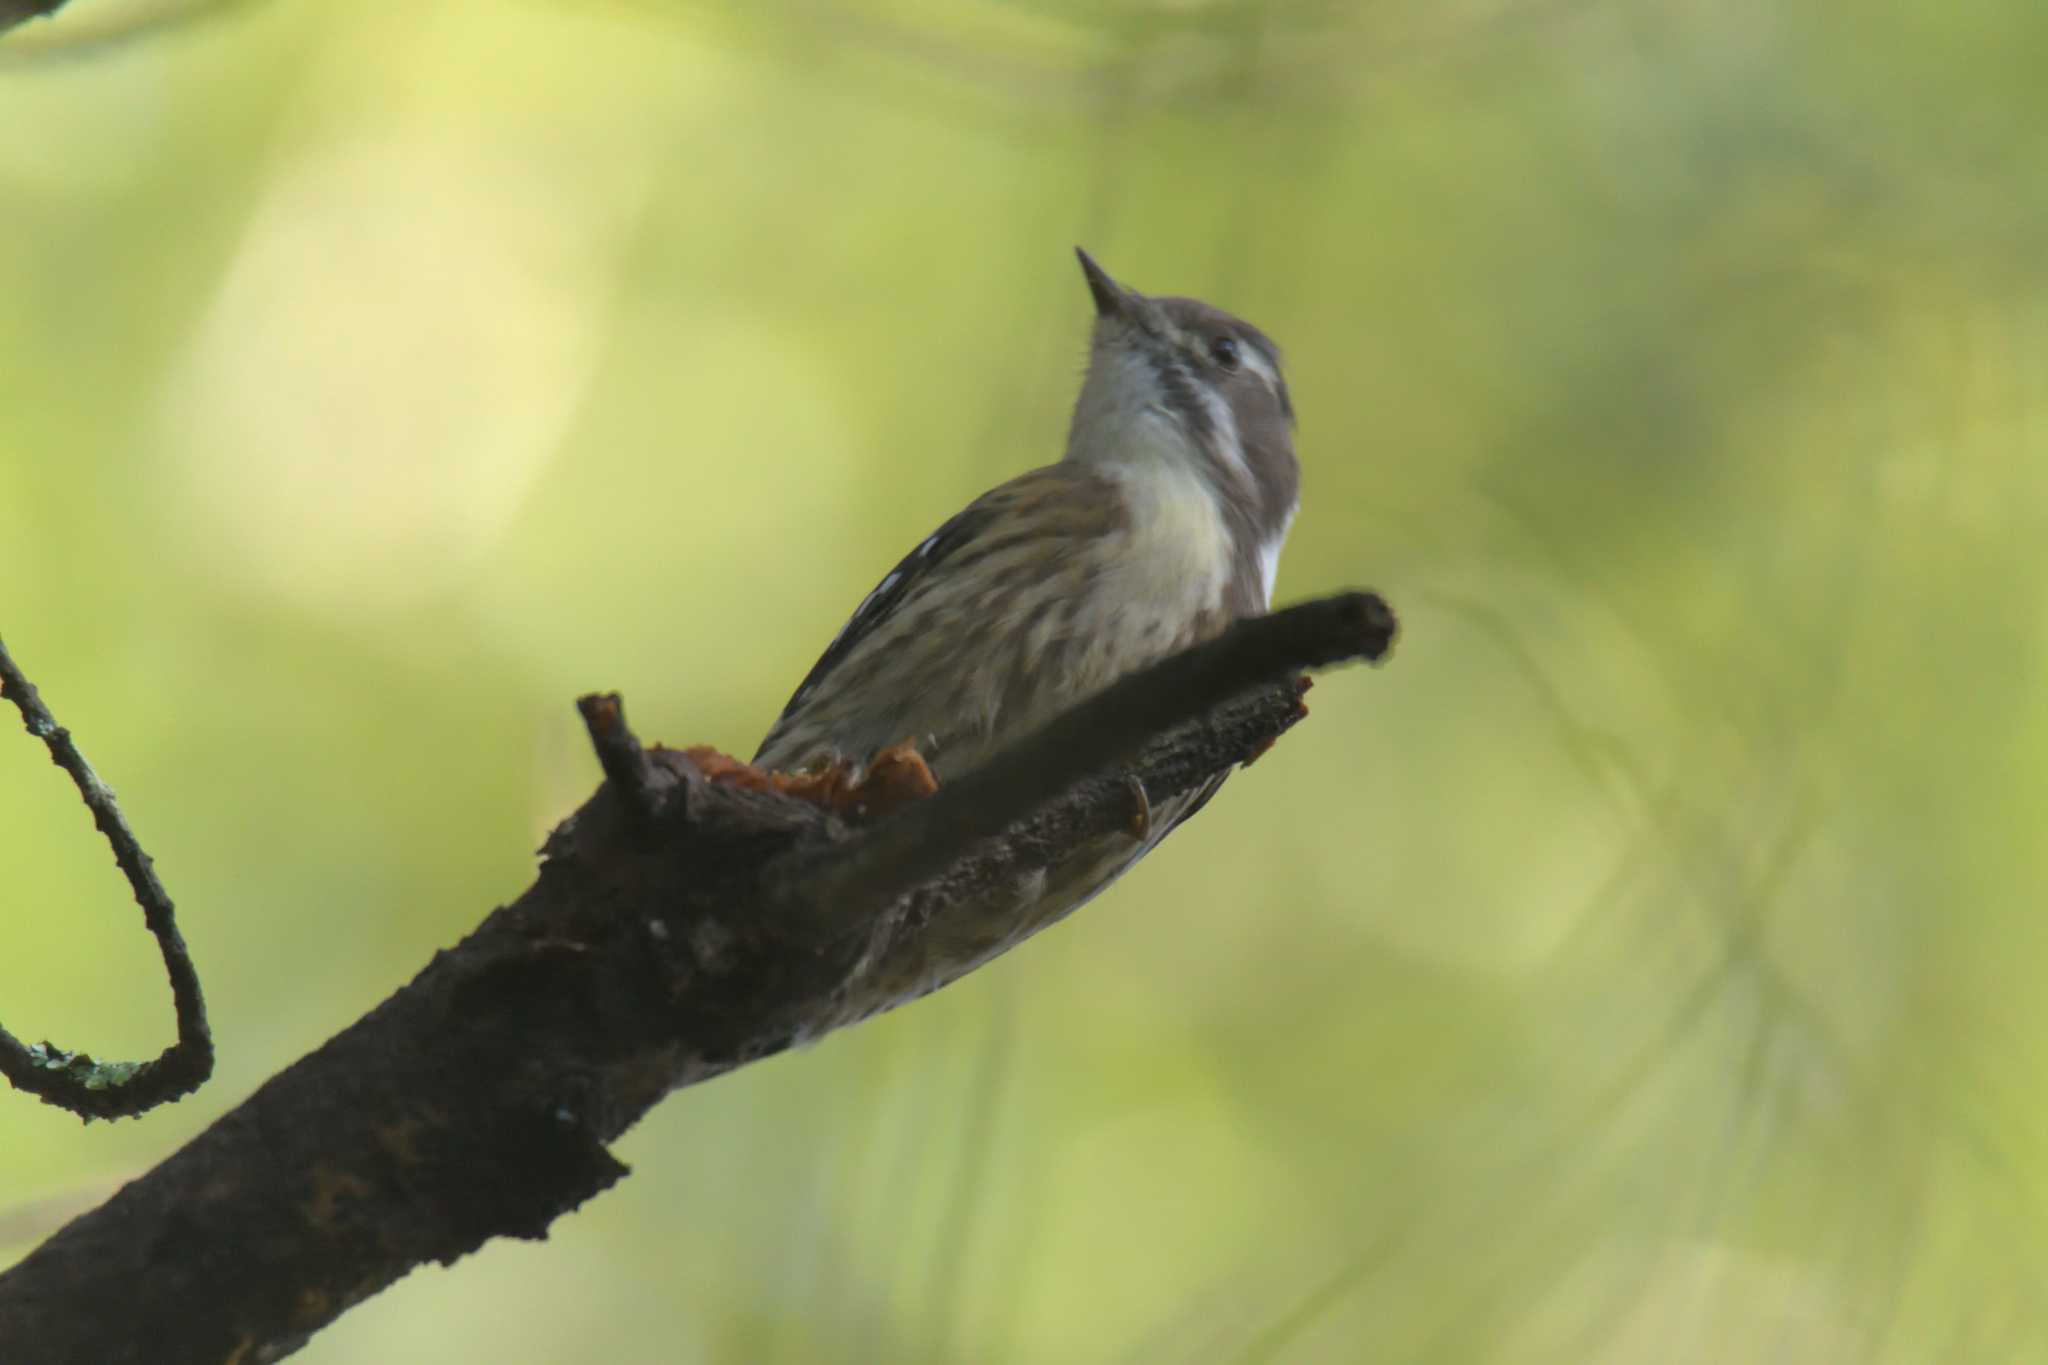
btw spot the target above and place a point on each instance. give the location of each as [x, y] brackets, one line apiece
[1112, 300]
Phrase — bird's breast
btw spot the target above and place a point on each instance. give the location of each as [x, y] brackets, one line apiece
[1159, 586]
[1177, 554]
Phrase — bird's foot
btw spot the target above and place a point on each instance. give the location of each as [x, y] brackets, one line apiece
[894, 777]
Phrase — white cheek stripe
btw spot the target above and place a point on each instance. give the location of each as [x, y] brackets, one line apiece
[1225, 423]
[1269, 553]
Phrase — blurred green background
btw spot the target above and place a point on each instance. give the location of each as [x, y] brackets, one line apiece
[1645, 966]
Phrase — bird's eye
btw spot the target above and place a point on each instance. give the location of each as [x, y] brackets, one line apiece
[1223, 350]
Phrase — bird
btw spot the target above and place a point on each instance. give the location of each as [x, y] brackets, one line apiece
[1161, 524]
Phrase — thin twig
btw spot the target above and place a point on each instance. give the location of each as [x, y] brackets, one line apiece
[14, 12]
[620, 754]
[922, 840]
[75, 1081]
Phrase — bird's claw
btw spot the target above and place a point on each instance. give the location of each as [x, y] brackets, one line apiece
[1141, 808]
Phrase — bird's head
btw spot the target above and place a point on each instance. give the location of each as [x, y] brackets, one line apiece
[1179, 383]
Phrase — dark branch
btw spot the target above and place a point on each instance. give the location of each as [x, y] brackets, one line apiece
[75, 1081]
[926, 839]
[479, 1100]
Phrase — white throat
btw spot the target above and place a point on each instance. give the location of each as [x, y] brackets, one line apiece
[1120, 418]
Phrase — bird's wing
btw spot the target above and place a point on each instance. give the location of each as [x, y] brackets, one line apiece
[1056, 502]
